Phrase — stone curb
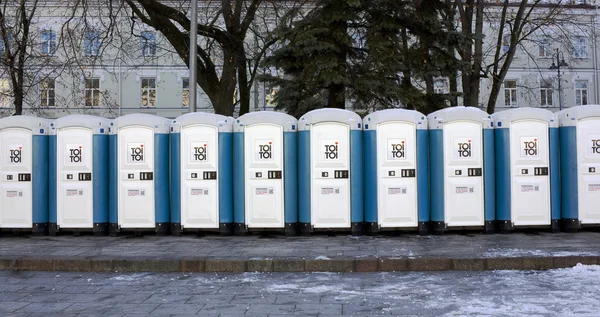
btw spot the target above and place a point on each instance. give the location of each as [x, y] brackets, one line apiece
[359, 264]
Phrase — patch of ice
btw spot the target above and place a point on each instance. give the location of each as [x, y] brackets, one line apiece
[322, 257]
[282, 287]
[129, 277]
[495, 252]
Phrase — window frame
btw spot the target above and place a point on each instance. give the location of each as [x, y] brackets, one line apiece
[545, 46]
[93, 91]
[581, 90]
[45, 93]
[91, 46]
[148, 43]
[149, 90]
[511, 90]
[548, 93]
[580, 50]
[185, 95]
[48, 43]
[446, 85]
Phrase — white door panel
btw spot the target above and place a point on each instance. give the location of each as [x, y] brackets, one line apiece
[396, 171]
[330, 175]
[15, 185]
[588, 170]
[530, 162]
[136, 177]
[199, 179]
[264, 176]
[463, 157]
[74, 178]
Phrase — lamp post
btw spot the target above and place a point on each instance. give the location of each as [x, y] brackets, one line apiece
[193, 54]
[560, 62]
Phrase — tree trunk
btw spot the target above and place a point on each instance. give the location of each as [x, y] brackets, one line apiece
[337, 96]
[477, 56]
[243, 81]
[496, 85]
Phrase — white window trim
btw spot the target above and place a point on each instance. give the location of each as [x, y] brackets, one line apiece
[584, 52]
[43, 29]
[516, 92]
[552, 93]
[155, 42]
[42, 89]
[181, 79]
[575, 89]
[155, 92]
[85, 89]
[548, 53]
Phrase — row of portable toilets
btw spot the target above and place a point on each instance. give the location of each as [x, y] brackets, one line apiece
[330, 170]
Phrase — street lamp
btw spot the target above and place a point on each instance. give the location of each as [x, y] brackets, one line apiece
[560, 62]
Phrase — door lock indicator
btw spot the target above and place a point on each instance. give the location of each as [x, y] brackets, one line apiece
[209, 175]
[194, 175]
[475, 172]
[392, 173]
[24, 177]
[592, 170]
[458, 172]
[274, 174]
[408, 172]
[324, 174]
[258, 175]
[524, 171]
[130, 176]
[146, 176]
[9, 177]
[85, 176]
[341, 174]
[540, 171]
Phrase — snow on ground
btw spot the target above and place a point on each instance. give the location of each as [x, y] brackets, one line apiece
[503, 252]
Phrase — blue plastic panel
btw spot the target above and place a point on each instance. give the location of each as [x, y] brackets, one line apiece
[423, 175]
[40, 179]
[175, 146]
[554, 174]
[370, 150]
[436, 159]
[239, 202]
[568, 173]
[304, 176]
[100, 179]
[52, 193]
[290, 172]
[356, 177]
[113, 173]
[489, 182]
[503, 183]
[161, 178]
[225, 177]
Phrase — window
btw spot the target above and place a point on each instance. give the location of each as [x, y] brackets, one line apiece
[185, 92]
[510, 93]
[148, 43]
[92, 43]
[581, 92]
[440, 86]
[546, 93]
[505, 43]
[47, 93]
[148, 92]
[92, 92]
[544, 49]
[270, 93]
[4, 93]
[580, 47]
[48, 42]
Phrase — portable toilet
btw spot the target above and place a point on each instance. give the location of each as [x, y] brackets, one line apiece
[139, 173]
[265, 173]
[580, 166]
[24, 179]
[201, 173]
[527, 179]
[461, 156]
[78, 175]
[396, 171]
[330, 171]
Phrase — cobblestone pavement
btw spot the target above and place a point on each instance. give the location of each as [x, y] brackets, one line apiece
[257, 247]
[560, 292]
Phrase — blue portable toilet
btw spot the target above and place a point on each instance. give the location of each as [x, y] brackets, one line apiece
[265, 173]
[79, 174]
[580, 166]
[461, 156]
[330, 171]
[201, 173]
[139, 174]
[527, 173]
[396, 147]
[24, 190]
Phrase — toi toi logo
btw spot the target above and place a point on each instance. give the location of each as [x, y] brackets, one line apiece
[75, 154]
[15, 155]
[265, 151]
[137, 153]
[199, 153]
[331, 151]
[464, 149]
[397, 150]
[530, 148]
[595, 146]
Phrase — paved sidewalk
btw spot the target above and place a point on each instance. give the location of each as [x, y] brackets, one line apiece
[341, 253]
